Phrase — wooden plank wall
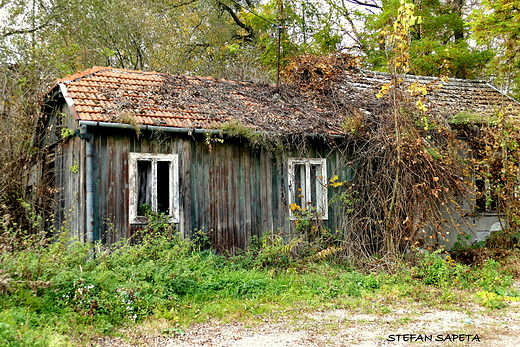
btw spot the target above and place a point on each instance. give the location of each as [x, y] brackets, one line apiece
[232, 191]
[69, 198]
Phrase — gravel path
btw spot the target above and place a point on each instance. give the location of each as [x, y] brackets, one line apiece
[411, 326]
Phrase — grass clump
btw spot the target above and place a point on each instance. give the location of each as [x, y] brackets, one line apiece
[67, 293]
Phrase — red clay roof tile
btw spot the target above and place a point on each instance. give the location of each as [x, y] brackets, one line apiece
[105, 94]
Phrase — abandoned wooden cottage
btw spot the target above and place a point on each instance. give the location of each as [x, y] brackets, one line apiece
[118, 144]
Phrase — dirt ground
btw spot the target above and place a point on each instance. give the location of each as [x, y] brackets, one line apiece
[413, 325]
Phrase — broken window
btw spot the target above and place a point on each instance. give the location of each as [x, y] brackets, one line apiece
[153, 183]
[486, 199]
[308, 187]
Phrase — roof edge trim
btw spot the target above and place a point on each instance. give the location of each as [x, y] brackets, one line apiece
[68, 100]
[188, 131]
[504, 94]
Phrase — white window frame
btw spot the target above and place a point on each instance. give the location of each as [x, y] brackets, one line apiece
[321, 181]
[173, 208]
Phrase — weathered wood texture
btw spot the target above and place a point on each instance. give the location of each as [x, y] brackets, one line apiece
[69, 190]
[232, 191]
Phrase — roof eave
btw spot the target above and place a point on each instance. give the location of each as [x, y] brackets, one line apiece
[68, 100]
[189, 131]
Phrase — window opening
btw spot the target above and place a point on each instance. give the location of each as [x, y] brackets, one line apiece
[486, 199]
[153, 181]
[144, 197]
[307, 186]
[299, 183]
[163, 187]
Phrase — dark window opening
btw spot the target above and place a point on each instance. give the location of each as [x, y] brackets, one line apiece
[163, 187]
[486, 200]
[315, 169]
[299, 185]
[144, 196]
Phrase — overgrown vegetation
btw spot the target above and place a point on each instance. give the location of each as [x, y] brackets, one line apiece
[406, 189]
[68, 293]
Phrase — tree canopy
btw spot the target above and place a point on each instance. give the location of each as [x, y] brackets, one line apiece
[240, 38]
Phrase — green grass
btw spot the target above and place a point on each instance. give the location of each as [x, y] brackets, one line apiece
[66, 294]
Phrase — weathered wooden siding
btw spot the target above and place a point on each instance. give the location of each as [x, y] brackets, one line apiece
[232, 191]
[69, 197]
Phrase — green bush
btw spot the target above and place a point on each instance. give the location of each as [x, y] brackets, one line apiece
[491, 279]
[435, 270]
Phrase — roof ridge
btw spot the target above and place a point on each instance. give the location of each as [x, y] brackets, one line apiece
[81, 74]
[424, 77]
[96, 69]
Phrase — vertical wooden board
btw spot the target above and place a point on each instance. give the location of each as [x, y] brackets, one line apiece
[205, 174]
[242, 223]
[142, 144]
[64, 187]
[81, 191]
[264, 197]
[131, 146]
[224, 191]
[337, 165]
[251, 188]
[58, 186]
[227, 202]
[113, 182]
[99, 181]
[68, 187]
[285, 224]
[213, 197]
[232, 195]
[256, 219]
[76, 179]
[207, 191]
[185, 177]
[109, 178]
[225, 177]
[269, 198]
[236, 222]
[204, 188]
[246, 177]
[58, 197]
[226, 195]
[283, 221]
[124, 188]
[194, 173]
[219, 184]
[116, 181]
[202, 211]
[276, 197]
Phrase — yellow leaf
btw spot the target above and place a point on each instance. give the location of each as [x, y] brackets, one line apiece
[294, 207]
[421, 106]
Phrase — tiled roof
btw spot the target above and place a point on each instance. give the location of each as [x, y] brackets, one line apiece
[444, 97]
[107, 94]
[112, 95]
